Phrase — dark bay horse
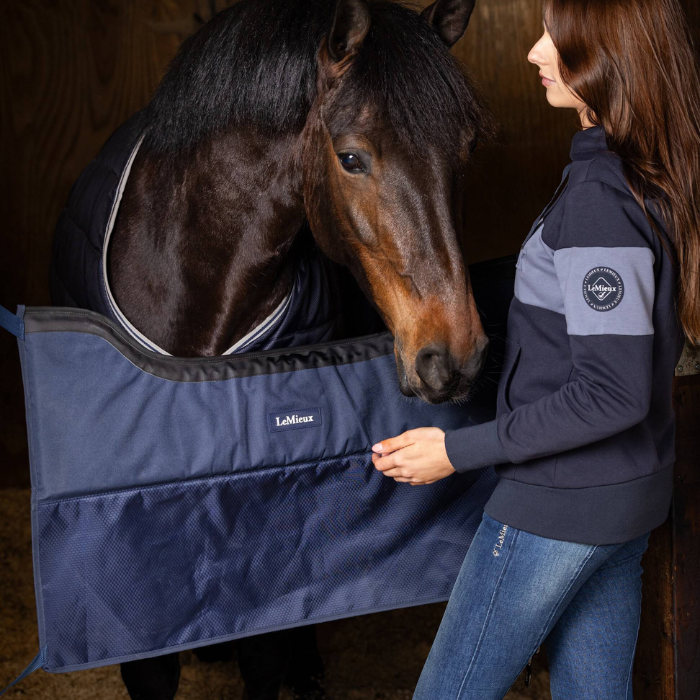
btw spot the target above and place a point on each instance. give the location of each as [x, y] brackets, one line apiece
[347, 117]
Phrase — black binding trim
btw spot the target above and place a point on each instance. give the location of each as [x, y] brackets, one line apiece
[52, 319]
[55, 319]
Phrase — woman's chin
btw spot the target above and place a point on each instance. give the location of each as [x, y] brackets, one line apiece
[554, 99]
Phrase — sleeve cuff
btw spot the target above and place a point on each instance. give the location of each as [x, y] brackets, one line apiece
[474, 447]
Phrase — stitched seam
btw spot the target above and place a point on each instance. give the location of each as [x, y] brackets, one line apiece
[106, 165]
[36, 549]
[557, 489]
[199, 480]
[636, 637]
[543, 633]
[488, 614]
[568, 588]
[564, 594]
[69, 215]
[111, 660]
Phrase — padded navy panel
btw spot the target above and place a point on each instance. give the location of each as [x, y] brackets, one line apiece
[150, 570]
[100, 423]
[169, 512]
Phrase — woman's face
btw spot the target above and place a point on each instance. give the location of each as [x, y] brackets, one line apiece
[545, 55]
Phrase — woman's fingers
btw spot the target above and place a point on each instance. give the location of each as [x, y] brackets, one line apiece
[416, 457]
[392, 461]
[393, 444]
[396, 473]
[389, 467]
[395, 466]
[412, 481]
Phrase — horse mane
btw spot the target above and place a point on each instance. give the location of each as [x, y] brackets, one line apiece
[254, 65]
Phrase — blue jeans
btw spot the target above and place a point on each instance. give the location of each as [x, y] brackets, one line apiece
[516, 591]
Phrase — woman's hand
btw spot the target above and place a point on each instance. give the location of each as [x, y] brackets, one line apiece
[414, 457]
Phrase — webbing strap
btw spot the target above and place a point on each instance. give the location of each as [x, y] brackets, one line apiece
[13, 322]
[39, 659]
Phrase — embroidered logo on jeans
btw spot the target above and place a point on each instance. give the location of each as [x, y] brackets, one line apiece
[293, 420]
[499, 542]
[603, 289]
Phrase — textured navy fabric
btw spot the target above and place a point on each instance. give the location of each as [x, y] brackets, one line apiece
[175, 508]
[170, 514]
[585, 426]
[103, 424]
[183, 564]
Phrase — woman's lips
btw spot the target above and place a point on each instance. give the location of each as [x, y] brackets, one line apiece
[547, 81]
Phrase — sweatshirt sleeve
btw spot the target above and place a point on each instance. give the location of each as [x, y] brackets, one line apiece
[605, 269]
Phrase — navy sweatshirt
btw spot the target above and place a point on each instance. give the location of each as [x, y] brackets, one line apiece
[584, 433]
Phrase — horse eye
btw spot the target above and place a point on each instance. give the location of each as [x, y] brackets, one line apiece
[351, 162]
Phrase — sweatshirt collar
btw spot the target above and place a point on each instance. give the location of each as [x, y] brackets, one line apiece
[588, 142]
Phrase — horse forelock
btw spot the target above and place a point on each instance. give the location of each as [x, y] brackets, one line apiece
[254, 66]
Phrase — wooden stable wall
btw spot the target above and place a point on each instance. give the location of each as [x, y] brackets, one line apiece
[667, 663]
[73, 70]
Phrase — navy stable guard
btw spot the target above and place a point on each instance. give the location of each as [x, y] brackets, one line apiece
[180, 502]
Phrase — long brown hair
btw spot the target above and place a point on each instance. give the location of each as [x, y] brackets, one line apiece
[633, 64]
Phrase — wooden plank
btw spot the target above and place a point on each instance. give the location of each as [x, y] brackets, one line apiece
[686, 510]
[686, 538]
[654, 660]
[667, 664]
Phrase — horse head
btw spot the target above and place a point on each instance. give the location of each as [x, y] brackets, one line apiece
[385, 149]
[351, 115]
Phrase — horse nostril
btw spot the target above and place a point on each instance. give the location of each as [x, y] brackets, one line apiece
[435, 367]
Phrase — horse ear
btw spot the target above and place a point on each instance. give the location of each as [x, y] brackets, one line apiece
[350, 26]
[450, 18]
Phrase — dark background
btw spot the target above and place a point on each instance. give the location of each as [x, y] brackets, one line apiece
[72, 70]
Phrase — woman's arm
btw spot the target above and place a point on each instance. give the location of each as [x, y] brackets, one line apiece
[611, 349]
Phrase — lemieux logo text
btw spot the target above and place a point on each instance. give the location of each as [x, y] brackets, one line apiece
[500, 540]
[291, 420]
[295, 419]
[603, 289]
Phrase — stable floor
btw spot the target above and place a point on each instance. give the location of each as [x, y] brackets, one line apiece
[371, 657]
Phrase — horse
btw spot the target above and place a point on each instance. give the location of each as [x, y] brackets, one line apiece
[347, 121]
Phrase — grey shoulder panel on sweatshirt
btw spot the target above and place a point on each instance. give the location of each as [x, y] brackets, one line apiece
[536, 281]
[607, 290]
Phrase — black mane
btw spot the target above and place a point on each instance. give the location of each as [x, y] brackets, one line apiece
[254, 65]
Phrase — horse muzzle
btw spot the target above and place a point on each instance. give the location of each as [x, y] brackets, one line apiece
[438, 376]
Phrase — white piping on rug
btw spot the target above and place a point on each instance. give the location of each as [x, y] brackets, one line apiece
[247, 339]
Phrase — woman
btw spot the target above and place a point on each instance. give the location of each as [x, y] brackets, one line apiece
[606, 283]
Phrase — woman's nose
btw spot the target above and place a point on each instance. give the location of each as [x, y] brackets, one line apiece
[535, 55]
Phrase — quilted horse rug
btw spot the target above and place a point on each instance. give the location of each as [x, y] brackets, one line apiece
[179, 502]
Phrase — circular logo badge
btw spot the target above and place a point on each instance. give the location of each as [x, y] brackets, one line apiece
[603, 289]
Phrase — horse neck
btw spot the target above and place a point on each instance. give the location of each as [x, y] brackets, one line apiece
[200, 252]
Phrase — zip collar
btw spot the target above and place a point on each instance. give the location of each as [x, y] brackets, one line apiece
[588, 142]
